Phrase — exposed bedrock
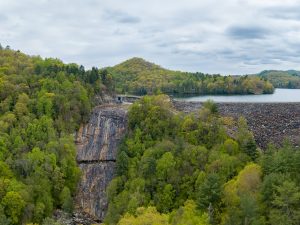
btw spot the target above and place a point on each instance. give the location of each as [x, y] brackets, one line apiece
[269, 122]
[97, 143]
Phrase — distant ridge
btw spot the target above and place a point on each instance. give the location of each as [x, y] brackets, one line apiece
[290, 72]
[282, 79]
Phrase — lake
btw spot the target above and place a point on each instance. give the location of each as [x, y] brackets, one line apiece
[280, 95]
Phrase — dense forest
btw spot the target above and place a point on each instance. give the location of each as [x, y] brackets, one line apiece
[172, 168]
[42, 104]
[282, 79]
[137, 76]
[181, 169]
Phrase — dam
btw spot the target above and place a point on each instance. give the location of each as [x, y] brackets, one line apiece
[269, 122]
[97, 141]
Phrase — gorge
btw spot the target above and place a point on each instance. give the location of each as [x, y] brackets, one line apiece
[97, 141]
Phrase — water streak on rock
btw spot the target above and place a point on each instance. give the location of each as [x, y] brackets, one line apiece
[97, 143]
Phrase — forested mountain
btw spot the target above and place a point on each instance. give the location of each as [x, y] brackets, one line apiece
[172, 168]
[184, 169]
[282, 79]
[42, 104]
[137, 76]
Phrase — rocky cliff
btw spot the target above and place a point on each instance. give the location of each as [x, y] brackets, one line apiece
[97, 143]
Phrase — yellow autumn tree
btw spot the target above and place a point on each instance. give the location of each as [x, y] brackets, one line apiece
[145, 216]
[240, 196]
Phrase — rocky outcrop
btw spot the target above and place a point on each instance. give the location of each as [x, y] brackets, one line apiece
[269, 122]
[97, 143]
[98, 140]
[77, 218]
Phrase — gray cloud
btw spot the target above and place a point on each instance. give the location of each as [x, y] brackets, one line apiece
[283, 12]
[3, 18]
[236, 36]
[120, 17]
[244, 32]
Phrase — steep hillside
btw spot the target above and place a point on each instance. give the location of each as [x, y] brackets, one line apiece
[176, 169]
[137, 76]
[42, 104]
[282, 79]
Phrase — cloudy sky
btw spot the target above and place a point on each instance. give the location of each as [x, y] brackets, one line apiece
[214, 36]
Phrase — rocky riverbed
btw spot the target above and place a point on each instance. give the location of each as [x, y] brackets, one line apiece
[269, 122]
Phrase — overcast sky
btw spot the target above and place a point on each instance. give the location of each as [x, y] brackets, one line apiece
[214, 36]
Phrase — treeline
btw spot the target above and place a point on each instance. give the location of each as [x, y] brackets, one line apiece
[282, 79]
[137, 76]
[184, 169]
[42, 104]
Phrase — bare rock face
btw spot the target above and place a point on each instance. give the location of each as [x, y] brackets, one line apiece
[98, 140]
[92, 192]
[97, 144]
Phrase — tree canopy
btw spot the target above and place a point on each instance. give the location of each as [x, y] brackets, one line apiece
[176, 168]
[137, 76]
[42, 103]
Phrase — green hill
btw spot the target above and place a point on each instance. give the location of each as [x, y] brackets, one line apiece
[137, 76]
[180, 169]
[282, 79]
[42, 104]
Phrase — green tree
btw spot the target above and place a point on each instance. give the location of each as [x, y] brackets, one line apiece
[165, 166]
[286, 204]
[145, 216]
[165, 198]
[209, 192]
[189, 215]
[13, 205]
[246, 140]
[211, 106]
[241, 197]
[66, 200]
[3, 219]
[122, 164]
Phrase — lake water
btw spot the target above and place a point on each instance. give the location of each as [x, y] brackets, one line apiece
[280, 95]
